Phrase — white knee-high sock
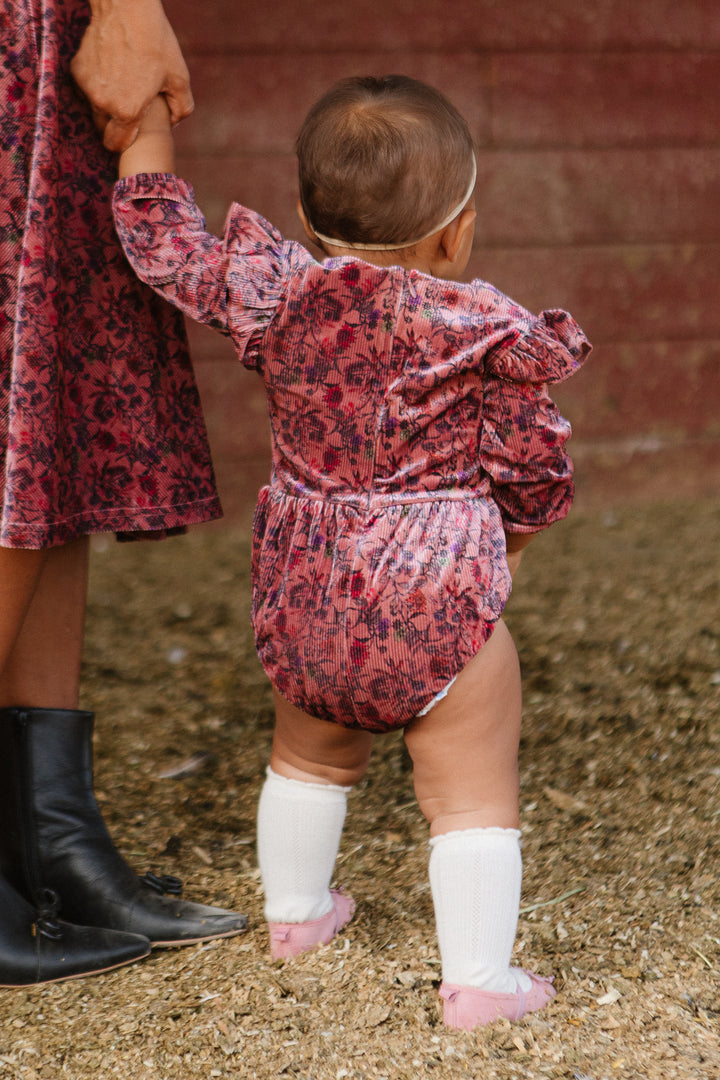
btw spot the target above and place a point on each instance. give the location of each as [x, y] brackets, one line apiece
[298, 835]
[475, 878]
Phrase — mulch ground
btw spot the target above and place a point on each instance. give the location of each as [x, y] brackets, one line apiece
[617, 619]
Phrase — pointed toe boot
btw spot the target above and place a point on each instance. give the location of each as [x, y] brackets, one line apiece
[56, 838]
[36, 947]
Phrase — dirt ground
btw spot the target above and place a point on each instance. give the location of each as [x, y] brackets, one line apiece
[617, 620]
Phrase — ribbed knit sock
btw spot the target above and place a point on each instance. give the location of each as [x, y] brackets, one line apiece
[298, 835]
[475, 878]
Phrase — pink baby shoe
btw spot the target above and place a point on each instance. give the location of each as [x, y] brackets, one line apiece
[468, 1007]
[289, 939]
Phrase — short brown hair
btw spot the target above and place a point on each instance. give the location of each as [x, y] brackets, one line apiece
[382, 159]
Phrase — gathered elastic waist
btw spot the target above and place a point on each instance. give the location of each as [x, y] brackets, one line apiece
[375, 500]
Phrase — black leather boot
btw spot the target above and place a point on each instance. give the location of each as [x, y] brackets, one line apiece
[37, 947]
[55, 837]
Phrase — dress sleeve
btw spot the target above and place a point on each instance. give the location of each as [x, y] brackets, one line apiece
[523, 437]
[231, 283]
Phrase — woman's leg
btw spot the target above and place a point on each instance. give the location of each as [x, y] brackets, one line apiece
[46, 748]
[300, 822]
[19, 574]
[42, 599]
[465, 753]
[34, 946]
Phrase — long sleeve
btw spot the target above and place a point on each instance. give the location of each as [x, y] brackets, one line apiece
[231, 284]
[523, 438]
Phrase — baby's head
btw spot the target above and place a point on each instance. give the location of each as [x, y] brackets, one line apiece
[383, 162]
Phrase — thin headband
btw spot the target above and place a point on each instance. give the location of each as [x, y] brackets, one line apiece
[334, 242]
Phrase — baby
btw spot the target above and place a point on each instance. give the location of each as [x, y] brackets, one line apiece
[415, 453]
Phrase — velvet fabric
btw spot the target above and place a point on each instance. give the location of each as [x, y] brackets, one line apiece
[100, 420]
[411, 426]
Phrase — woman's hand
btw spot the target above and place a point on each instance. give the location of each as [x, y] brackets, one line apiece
[128, 56]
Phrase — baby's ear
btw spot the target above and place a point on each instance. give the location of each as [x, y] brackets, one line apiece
[455, 234]
[306, 224]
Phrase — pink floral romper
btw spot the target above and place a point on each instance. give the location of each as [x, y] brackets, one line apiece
[410, 425]
[100, 420]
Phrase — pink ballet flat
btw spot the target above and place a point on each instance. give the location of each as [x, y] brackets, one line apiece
[290, 939]
[468, 1007]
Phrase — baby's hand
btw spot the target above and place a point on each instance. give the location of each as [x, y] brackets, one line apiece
[156, 118]
[514, 558]
[153, 149]
[515, 544]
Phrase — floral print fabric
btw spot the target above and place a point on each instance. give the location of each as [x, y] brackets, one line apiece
[411, 425]
[100, 422]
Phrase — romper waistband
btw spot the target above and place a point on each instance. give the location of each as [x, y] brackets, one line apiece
[369, 501]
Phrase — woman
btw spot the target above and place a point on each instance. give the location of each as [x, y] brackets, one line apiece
[100, 430]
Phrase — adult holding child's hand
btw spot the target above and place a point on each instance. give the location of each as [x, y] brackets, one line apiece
[101, 431]
[128, 55]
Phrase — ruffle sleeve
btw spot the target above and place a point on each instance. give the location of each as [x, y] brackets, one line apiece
[523, 437]
[547, 349]
[232, 284]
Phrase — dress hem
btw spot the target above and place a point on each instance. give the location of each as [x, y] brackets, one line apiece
[153, 520]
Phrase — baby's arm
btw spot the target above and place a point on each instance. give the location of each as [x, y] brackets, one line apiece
[233, 283]
[523, 436]
[153, 150]
[230, 283]
[515, 543]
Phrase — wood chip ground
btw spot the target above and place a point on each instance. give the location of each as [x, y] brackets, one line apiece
[617, 620]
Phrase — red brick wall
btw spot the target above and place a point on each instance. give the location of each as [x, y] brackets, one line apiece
[599, 155]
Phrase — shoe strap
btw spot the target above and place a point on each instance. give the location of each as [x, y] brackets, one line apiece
[47, 903]
[164, 883]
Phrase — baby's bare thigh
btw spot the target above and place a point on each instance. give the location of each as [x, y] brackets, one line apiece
[465, 750]
[310, 749]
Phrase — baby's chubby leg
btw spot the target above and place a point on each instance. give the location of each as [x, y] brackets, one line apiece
[305, 748]
[300, 822]
[465, 750]
[465, 756]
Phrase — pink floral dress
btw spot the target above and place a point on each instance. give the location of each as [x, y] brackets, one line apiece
[100, 421]
[411, 425]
